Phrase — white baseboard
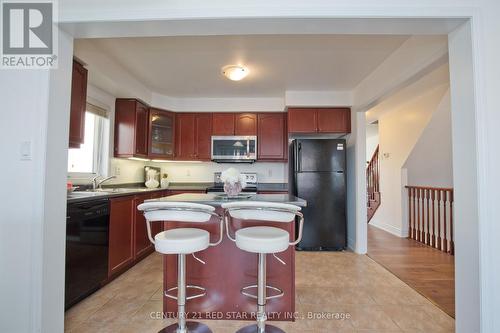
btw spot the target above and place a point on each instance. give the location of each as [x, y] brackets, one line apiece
[351, 244]
[389, 228]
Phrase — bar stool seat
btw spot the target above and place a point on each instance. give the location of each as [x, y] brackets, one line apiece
[182, 241]
[262, 239]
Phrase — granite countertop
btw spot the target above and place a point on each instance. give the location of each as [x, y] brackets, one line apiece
[118, 190]
[216, 199]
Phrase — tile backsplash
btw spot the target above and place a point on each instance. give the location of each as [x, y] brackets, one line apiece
[131, 171]
[204, 172]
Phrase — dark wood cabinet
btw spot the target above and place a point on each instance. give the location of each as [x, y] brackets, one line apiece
[142, 244]
[245, 124]
[184, 136]
[121, 232]
[158, 227]
[193, 136]
[302, 120]
[334, 120]
[223, 123]
[319, 120]
[203, 135]
[161, 134]
[78, 105]
[131, 128]
[141, 131]
[272, 137]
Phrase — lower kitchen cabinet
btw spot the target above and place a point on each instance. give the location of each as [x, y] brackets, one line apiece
[121, 232]
[142, 244]
[158, 226]
[128, 234]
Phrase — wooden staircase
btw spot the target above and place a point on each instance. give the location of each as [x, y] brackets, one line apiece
[373, 185]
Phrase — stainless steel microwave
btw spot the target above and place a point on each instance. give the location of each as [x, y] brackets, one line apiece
[236, 149]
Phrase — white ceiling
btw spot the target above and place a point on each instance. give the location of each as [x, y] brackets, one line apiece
[190, 66]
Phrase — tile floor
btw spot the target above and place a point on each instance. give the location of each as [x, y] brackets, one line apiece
[338, 283]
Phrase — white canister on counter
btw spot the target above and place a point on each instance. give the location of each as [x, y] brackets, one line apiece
[164, 181]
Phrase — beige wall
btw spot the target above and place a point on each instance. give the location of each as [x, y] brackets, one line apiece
[430, 162]
[399, 131]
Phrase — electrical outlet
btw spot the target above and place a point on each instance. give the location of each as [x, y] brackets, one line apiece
[117, 170]
[188, 172]
[270, 172]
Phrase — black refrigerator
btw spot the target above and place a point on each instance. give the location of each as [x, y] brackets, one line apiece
[317, 173]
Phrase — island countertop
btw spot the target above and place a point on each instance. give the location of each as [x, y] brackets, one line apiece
[229, 269]
[217, 199]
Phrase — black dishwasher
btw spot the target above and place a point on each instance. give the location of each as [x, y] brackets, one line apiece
[87, 240]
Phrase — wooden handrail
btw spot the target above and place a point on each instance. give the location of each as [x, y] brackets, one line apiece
[430, 216]
[431, 188]
[373, 184]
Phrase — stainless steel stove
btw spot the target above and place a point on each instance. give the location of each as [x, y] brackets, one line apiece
[251, 179]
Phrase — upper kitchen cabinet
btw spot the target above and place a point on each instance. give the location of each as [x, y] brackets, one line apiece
[78, 105]
[161, 134]
[223, 123]
[184, 136]
[272, 137]
[245, 124]
[334, 120]
[319, 120]
[203, 132]
[131, 128]
[302, 120]
[192, 136]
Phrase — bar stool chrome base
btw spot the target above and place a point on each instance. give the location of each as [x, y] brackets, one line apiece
[254, 329]
[191, 327]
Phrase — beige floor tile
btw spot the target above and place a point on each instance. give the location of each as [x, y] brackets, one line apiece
[413, 317]
[370, 317]
[118, 310]
[439, 316]
[396, 295]
[342, 283]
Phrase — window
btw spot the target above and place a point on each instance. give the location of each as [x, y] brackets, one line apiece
[91, 157]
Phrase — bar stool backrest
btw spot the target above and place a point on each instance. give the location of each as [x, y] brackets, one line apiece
[176, 211]
[262, 211]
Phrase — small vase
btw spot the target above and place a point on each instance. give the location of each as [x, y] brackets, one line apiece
[232, 190]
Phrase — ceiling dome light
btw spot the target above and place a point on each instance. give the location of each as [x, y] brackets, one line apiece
[235, 72]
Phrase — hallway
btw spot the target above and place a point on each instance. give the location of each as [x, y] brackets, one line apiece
[429, 271]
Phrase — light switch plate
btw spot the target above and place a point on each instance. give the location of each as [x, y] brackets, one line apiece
[25, 151]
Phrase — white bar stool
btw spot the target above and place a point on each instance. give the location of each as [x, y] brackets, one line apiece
[262, 240]
[181, 241]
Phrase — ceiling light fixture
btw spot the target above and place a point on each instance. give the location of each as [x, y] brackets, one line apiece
[235, 72]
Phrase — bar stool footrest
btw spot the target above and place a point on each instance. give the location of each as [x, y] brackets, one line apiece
[279, 291]
[254, 329]
[203, 292]
[191, 326]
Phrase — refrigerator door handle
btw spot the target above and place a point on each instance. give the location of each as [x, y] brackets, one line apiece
[299, 157]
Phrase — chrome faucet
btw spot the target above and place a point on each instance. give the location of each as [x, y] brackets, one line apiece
[96, 184]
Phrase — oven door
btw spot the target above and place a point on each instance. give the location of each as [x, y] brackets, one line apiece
[234, 148]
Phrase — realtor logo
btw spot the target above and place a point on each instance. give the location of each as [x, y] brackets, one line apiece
[27, 34]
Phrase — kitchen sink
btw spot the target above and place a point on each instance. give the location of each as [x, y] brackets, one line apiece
[105, 191]
[120, 190]
[85, 194]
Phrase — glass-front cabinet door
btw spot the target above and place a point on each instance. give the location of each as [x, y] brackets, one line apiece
[161, 134]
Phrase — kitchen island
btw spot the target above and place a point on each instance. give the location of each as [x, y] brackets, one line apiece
[228, 269]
